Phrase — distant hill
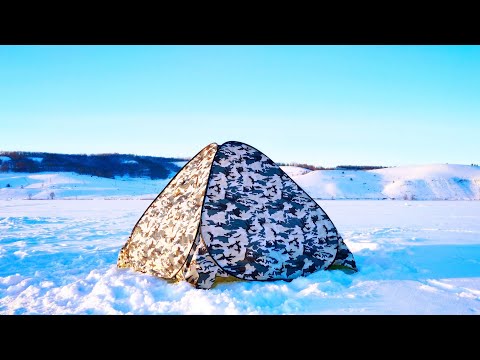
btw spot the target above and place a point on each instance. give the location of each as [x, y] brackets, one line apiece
[110, 165]
[339, 167]
[422, 182]
[102, 165]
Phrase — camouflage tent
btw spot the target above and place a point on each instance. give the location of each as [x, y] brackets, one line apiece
[232, 212]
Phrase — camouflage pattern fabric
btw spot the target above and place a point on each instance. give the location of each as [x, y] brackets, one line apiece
[161, 240]
[344, 257]
[256, 223]
[200, 269]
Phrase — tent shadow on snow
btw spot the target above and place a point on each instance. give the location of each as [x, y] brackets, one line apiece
[232, 213]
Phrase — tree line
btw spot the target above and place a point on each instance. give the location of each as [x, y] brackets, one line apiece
[109, 165]
[106, 165]
[340, 167]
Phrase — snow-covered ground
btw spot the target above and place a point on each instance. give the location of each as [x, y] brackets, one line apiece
[414, 257]
[422, 182]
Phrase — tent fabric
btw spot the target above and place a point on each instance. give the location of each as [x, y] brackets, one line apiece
[231, 211]
[200, 269]
[162, 238]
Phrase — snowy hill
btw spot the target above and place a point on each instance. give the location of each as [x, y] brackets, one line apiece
[68, 185]
[423, 182]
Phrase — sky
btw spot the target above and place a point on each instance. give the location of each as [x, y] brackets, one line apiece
[322, 105]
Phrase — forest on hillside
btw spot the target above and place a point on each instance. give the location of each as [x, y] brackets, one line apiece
[339, 167]
[110, 165]
[104, 165]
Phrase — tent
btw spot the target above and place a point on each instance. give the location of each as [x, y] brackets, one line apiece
[232, 213]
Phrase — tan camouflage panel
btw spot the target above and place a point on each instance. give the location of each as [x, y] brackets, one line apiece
[163, 236]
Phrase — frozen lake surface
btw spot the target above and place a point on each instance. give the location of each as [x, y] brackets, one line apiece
[414, 257]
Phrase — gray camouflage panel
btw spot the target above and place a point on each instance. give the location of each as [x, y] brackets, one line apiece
[163, 236]
[258, 224]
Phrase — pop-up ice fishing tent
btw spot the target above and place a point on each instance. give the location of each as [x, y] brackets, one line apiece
[232, 212]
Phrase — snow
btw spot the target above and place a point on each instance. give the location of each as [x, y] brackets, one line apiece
[295, 170]
[421, 182]
[425, 182]
[69, 185]
[414, 257]
[36, 159]
[4, 159]
[129, 162]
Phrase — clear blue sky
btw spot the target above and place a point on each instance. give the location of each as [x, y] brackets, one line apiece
[322, 105]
